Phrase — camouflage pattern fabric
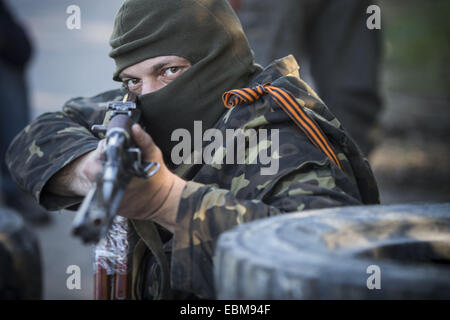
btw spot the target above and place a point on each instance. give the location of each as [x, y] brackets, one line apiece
[217, 197]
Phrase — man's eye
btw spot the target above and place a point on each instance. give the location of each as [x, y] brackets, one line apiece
[131, 83]
[172, 71]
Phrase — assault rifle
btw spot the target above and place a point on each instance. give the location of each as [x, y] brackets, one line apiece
[96, 218]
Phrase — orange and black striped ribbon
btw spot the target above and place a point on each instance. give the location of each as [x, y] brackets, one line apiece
[288, 104]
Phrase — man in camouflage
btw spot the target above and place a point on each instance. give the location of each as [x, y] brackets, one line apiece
[180, 57]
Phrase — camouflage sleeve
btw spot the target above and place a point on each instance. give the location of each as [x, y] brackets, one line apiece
[52, 141]
[205, 212]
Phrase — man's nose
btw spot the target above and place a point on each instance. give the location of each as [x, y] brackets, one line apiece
[150, 85]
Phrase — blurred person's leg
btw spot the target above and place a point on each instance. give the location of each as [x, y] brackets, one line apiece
[345, 60]
[330, 40]
[15, 52]
[273, 28]
[14, 116]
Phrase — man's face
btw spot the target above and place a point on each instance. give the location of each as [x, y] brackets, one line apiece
[152, 74]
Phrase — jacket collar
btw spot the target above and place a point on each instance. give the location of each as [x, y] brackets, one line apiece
[286, 66]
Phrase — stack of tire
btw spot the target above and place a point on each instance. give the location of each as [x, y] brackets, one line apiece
[361, 252]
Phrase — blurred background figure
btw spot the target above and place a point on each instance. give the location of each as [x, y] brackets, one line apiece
[66, 63]
[15, 53]
[20, 259]
[338, 55]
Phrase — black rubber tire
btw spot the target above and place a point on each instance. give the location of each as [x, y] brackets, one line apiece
[324, 254]
[20, 258]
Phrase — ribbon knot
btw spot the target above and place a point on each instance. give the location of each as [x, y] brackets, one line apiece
[244, 95]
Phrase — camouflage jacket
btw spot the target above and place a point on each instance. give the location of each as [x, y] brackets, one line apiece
[217, 197]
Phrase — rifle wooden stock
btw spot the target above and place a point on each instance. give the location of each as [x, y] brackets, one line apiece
[102, 284]
[111, 287]
[121, 287]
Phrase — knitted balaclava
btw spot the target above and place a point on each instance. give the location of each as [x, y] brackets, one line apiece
[205, 32]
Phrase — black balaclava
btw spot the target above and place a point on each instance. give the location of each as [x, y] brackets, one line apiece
[205, 32]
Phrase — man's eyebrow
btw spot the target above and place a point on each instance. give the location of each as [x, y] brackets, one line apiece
[153, 69]
[158, 66]
[125, 75]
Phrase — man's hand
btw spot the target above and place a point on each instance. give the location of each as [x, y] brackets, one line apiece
[156, 198]
[78, 177]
